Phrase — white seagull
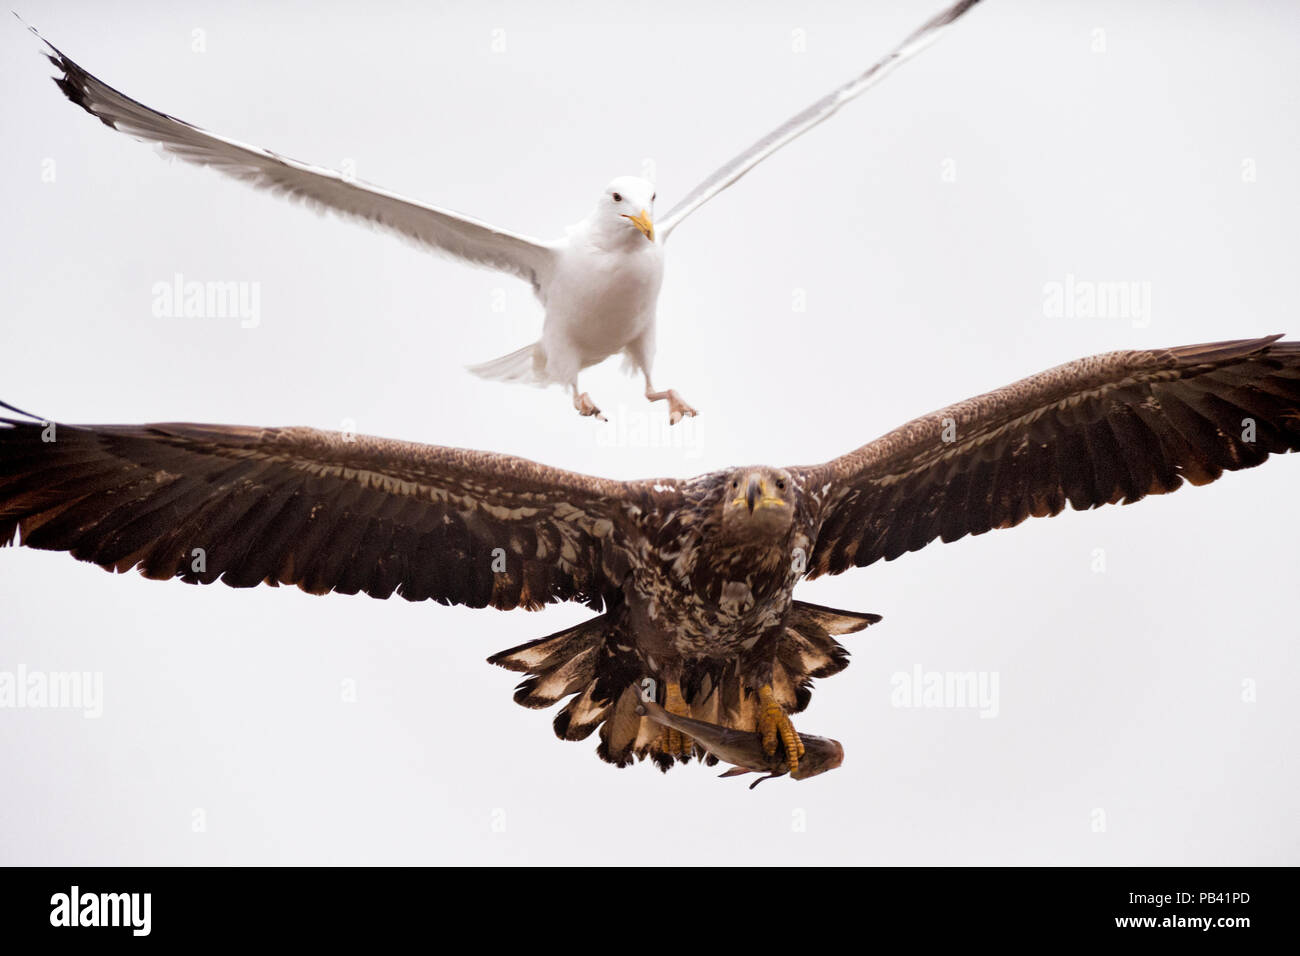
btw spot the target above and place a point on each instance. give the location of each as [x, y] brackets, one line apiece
[599, 284]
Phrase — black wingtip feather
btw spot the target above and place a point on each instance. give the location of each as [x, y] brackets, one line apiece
[18, 411]
[73, 85]
[73, 81]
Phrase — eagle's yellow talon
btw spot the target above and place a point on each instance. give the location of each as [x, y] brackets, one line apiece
[676, 743]
[774, 724]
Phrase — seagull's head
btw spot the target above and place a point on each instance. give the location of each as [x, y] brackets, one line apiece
[758, 504]
[627, 207]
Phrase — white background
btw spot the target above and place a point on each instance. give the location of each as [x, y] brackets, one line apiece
[1119, 691]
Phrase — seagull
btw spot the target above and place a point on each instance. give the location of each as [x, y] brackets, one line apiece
[693, 580]
[599, 284]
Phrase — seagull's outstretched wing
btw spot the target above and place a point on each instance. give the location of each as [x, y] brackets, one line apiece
[319, 510]
[799, 124]
[1100, 430]
[439, 229]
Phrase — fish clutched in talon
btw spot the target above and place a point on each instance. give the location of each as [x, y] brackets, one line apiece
[746, 750]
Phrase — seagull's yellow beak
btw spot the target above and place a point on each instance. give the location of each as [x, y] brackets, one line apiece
[643, 222]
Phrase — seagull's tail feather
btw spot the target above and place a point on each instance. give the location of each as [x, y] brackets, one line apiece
[526, 365]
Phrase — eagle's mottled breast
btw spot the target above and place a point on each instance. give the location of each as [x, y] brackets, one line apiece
[694, 594]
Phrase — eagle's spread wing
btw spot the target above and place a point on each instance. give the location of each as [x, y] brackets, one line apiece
[797, 125]
[315, 509]
[1100, 430]
[440, 229]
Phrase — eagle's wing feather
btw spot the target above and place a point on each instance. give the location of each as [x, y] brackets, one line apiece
[445, 231]
[1100, 430]
[800, 123]
[320, 510]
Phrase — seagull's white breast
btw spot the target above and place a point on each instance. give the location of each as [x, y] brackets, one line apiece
[600, 299]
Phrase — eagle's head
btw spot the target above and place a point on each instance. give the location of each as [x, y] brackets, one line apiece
[758, 505]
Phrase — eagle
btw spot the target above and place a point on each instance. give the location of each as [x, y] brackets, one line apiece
[692, 579]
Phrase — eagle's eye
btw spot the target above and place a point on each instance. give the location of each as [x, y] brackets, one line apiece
[735, 483]
[617, 197]
[780, 484]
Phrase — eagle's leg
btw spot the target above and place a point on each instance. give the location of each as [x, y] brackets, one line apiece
[677, 409]
[676, 743]
[585, 406]
[774, 724]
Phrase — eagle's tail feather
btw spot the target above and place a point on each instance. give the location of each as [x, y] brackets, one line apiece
[525, 365]
[602, 681]
[625, 733]
[809, 649]
[575, 662]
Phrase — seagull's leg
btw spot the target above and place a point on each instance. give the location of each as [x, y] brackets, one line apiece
[774, 724]
[585, 406]
[641, 352]
[676, 743]
[677, 409]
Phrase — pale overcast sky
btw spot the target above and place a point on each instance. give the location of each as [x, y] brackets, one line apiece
[902, 256]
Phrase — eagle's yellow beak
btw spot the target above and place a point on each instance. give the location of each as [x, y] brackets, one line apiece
[757, 496]
[643, 222]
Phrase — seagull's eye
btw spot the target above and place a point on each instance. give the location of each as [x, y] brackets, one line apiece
[617, 198]
[652, 196]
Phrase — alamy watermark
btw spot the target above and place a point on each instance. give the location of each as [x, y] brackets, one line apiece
[1075, 298]
[128, 910]
[649, 427]
[24, 689]
[948, 690]
[183, 298]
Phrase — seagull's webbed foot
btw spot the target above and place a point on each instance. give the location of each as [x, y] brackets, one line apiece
[676, 743]
[774, 725]
[677, 408]
[586, 407]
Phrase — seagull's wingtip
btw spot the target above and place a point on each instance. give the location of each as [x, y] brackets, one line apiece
[36, 33]
[19, 411]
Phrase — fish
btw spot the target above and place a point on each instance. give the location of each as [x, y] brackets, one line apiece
[744, 749]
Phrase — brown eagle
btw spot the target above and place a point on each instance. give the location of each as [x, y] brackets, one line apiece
[694, 578]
